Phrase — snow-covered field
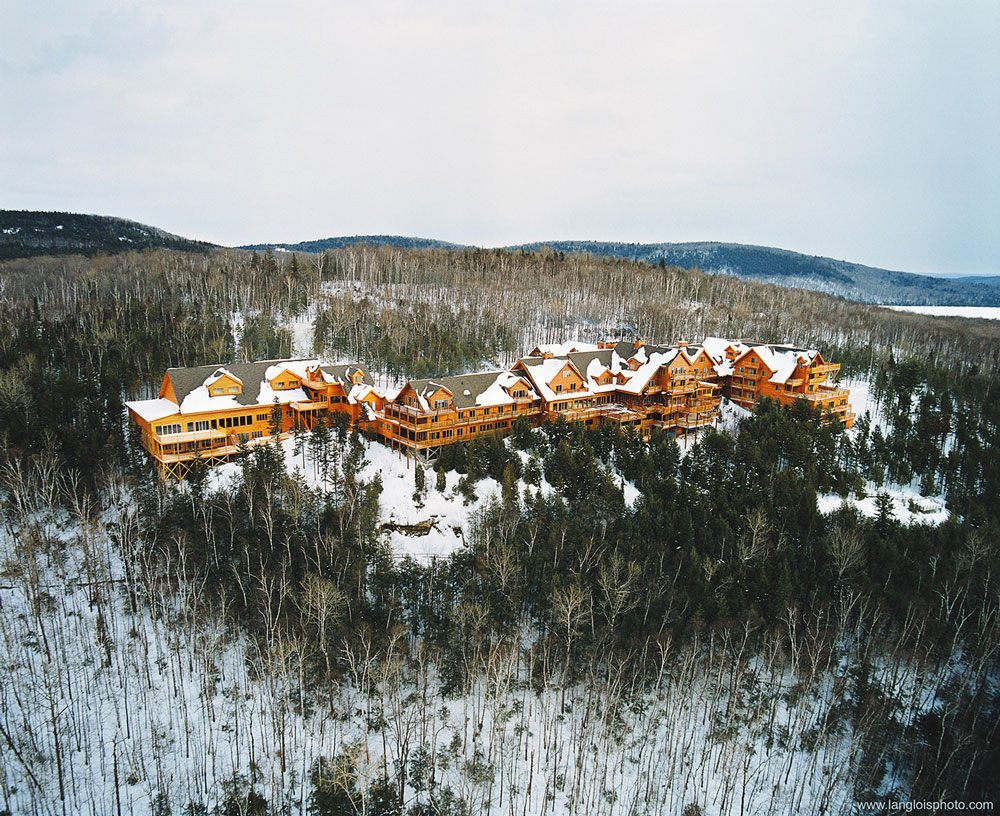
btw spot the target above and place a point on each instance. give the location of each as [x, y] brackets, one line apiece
[985, 312]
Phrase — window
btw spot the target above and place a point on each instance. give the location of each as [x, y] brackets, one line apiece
[566, 372]
[234, 389]
[256, 434]
[201, 425]
[163, 430]
[558, 389]
[216, 392]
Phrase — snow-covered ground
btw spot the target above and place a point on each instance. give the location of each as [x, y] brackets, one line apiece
[985, 312]
[907, 504]
[109, 708]
[448, 510]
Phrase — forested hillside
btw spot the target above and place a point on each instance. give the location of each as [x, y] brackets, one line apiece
[765, 264]
[785, 268]
[623, 628]
[25, 234]
[324, 244]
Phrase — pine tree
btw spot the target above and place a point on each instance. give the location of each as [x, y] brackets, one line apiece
[419, 485]
[441, 484]
[508, 488]
[274, 422]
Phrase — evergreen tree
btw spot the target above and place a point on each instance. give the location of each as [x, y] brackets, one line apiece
[274, 422]
[419, 485]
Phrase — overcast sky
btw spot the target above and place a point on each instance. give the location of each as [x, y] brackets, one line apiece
[868, 131]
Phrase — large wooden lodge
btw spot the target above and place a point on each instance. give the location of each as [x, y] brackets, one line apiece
[214, 412]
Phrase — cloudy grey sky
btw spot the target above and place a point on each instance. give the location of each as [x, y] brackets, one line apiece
[868, 131]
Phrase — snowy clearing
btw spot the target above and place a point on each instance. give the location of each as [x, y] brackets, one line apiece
[907, 505]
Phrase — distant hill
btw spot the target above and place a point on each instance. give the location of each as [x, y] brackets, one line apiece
[25, 234]
[778, 266]
[324, 244]
[793, 269]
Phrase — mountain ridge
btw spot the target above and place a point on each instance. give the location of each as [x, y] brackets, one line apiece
[31, 233]
[783, 267]
[26, 233]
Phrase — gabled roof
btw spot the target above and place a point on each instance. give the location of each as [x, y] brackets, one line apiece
[781, 360]
[471, 390]
[541, 371]
[191, 384]
[343, 373]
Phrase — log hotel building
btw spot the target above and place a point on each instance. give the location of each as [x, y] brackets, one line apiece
[214, 412]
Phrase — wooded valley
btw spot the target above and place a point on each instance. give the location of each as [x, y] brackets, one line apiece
[253, 645]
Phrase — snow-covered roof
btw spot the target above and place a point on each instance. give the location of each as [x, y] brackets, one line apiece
[471, 390]
[152, 409]
[191, 385]
[716, 348]
[644, 373]
[567, 347]
[781, 360]
[219, 374]
[296, 367]
[359, 392]
[497, 392]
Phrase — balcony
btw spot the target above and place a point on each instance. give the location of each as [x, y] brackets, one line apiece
[448, 418]
[822, 395]
[190, 436]
[311, 405]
